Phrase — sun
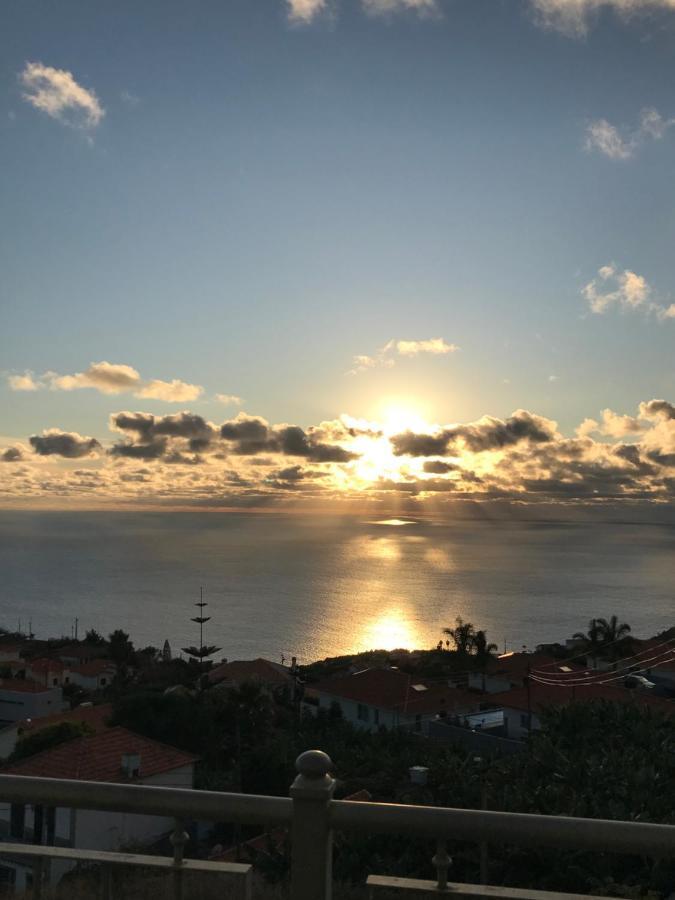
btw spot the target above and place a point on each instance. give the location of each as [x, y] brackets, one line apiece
[377, 460]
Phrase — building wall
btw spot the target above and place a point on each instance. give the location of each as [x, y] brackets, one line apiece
[17, 705]
[494, 684]
[515, 724]
[361, 715]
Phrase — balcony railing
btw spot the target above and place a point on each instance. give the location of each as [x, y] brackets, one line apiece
[312, 815]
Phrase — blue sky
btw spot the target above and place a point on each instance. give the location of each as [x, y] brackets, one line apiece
[262, 200]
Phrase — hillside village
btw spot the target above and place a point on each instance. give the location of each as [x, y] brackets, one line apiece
[100, 710]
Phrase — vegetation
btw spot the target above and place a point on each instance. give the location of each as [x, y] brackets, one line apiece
[46, 738]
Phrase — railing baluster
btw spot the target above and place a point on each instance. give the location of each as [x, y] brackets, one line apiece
[311, 834]
[107, 882]
[38, 875]
[442, 862]
[178, 839]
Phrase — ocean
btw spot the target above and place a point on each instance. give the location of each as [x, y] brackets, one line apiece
[315, 586]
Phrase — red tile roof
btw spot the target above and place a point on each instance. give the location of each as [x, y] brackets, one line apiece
[239, 670]
[23, 685]
[516, 665]
[94, 667]
[45, 665]
[99, 758]
[393, 689]
[96, 717]
[543, 695]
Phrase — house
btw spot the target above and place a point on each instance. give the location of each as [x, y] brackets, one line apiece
[24, 699]
[93, 675]
[273, 676]
[95, 717]
[79, 653]
[49, 672]
[655, 658]
[511, 669]
[113, 755]
[521, 707]
[388, 698]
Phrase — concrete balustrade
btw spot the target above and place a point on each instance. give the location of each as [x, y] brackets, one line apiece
[312, 815]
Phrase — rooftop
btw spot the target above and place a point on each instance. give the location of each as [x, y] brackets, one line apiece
[542, 695]
[96, 717]
[250, 670]
[23, 685]
[98, 758]
[393, 689]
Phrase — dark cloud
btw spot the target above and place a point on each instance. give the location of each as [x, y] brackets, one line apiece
[251, 435]
[63, 443]
[154, 450]
[11, 454]
[487, 433]
[410, 444]
[661, 408]
[662, 458]
[438, 467]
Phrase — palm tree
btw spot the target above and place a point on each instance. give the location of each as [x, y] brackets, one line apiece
[591, 640]
[462, 636]
[483, 651]
[610, 633]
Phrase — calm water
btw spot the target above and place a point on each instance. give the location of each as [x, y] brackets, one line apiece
[315, 587]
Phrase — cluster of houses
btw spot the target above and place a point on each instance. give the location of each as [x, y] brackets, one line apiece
[493, 709]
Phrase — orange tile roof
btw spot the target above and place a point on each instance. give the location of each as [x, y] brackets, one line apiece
[46, 665]
[94, 667]
[99, 758]
[250, 670]
[542, 695]
[23, 685]
[96, 717]
[393, 689]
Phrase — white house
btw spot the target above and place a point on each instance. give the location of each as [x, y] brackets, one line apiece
[387, 698]
[24, 699]
[112, 755]
[93, 675]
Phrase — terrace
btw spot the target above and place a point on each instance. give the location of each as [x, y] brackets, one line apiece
[312, 815]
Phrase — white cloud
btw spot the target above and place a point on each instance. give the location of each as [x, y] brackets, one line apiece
[574, 17]
[612, 424]
[385, 358]
[304, 11]
[384, 7]
[110, 378]
[625, 290]
[174, 391]
[608, 140]
[229, 399]
[55, 92]
[435, 346]
[24, 382]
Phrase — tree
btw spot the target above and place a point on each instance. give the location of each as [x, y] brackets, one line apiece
[611, 633]
[483, 651]
[462, 635]
[121, 648]
[591, 640]
[46, 738]
[93, 637]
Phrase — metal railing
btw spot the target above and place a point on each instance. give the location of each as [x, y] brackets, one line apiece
[312, 815]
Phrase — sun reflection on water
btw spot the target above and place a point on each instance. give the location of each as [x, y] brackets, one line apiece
[391, 630]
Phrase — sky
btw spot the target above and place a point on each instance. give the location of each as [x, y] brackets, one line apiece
[305, 243]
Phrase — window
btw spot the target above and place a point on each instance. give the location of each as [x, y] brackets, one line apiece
[523, 720]
[55, 681]
[363, 713]
[103, 681]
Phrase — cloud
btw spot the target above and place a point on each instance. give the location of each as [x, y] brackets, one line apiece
[627, 291]
[613, 425]
[386, 357]
[57, 93]
[304, 11]
[11, 454]
[250, 435]
[608, 140]
[229, 399]
[488, 433]
[434, 346]
[24, 382]
[68, 444]
[174, 391]
[574, 17]
[387, 7]
[657, 409]
[110, 378]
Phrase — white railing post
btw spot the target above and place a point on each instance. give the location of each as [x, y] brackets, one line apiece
[311, 836]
